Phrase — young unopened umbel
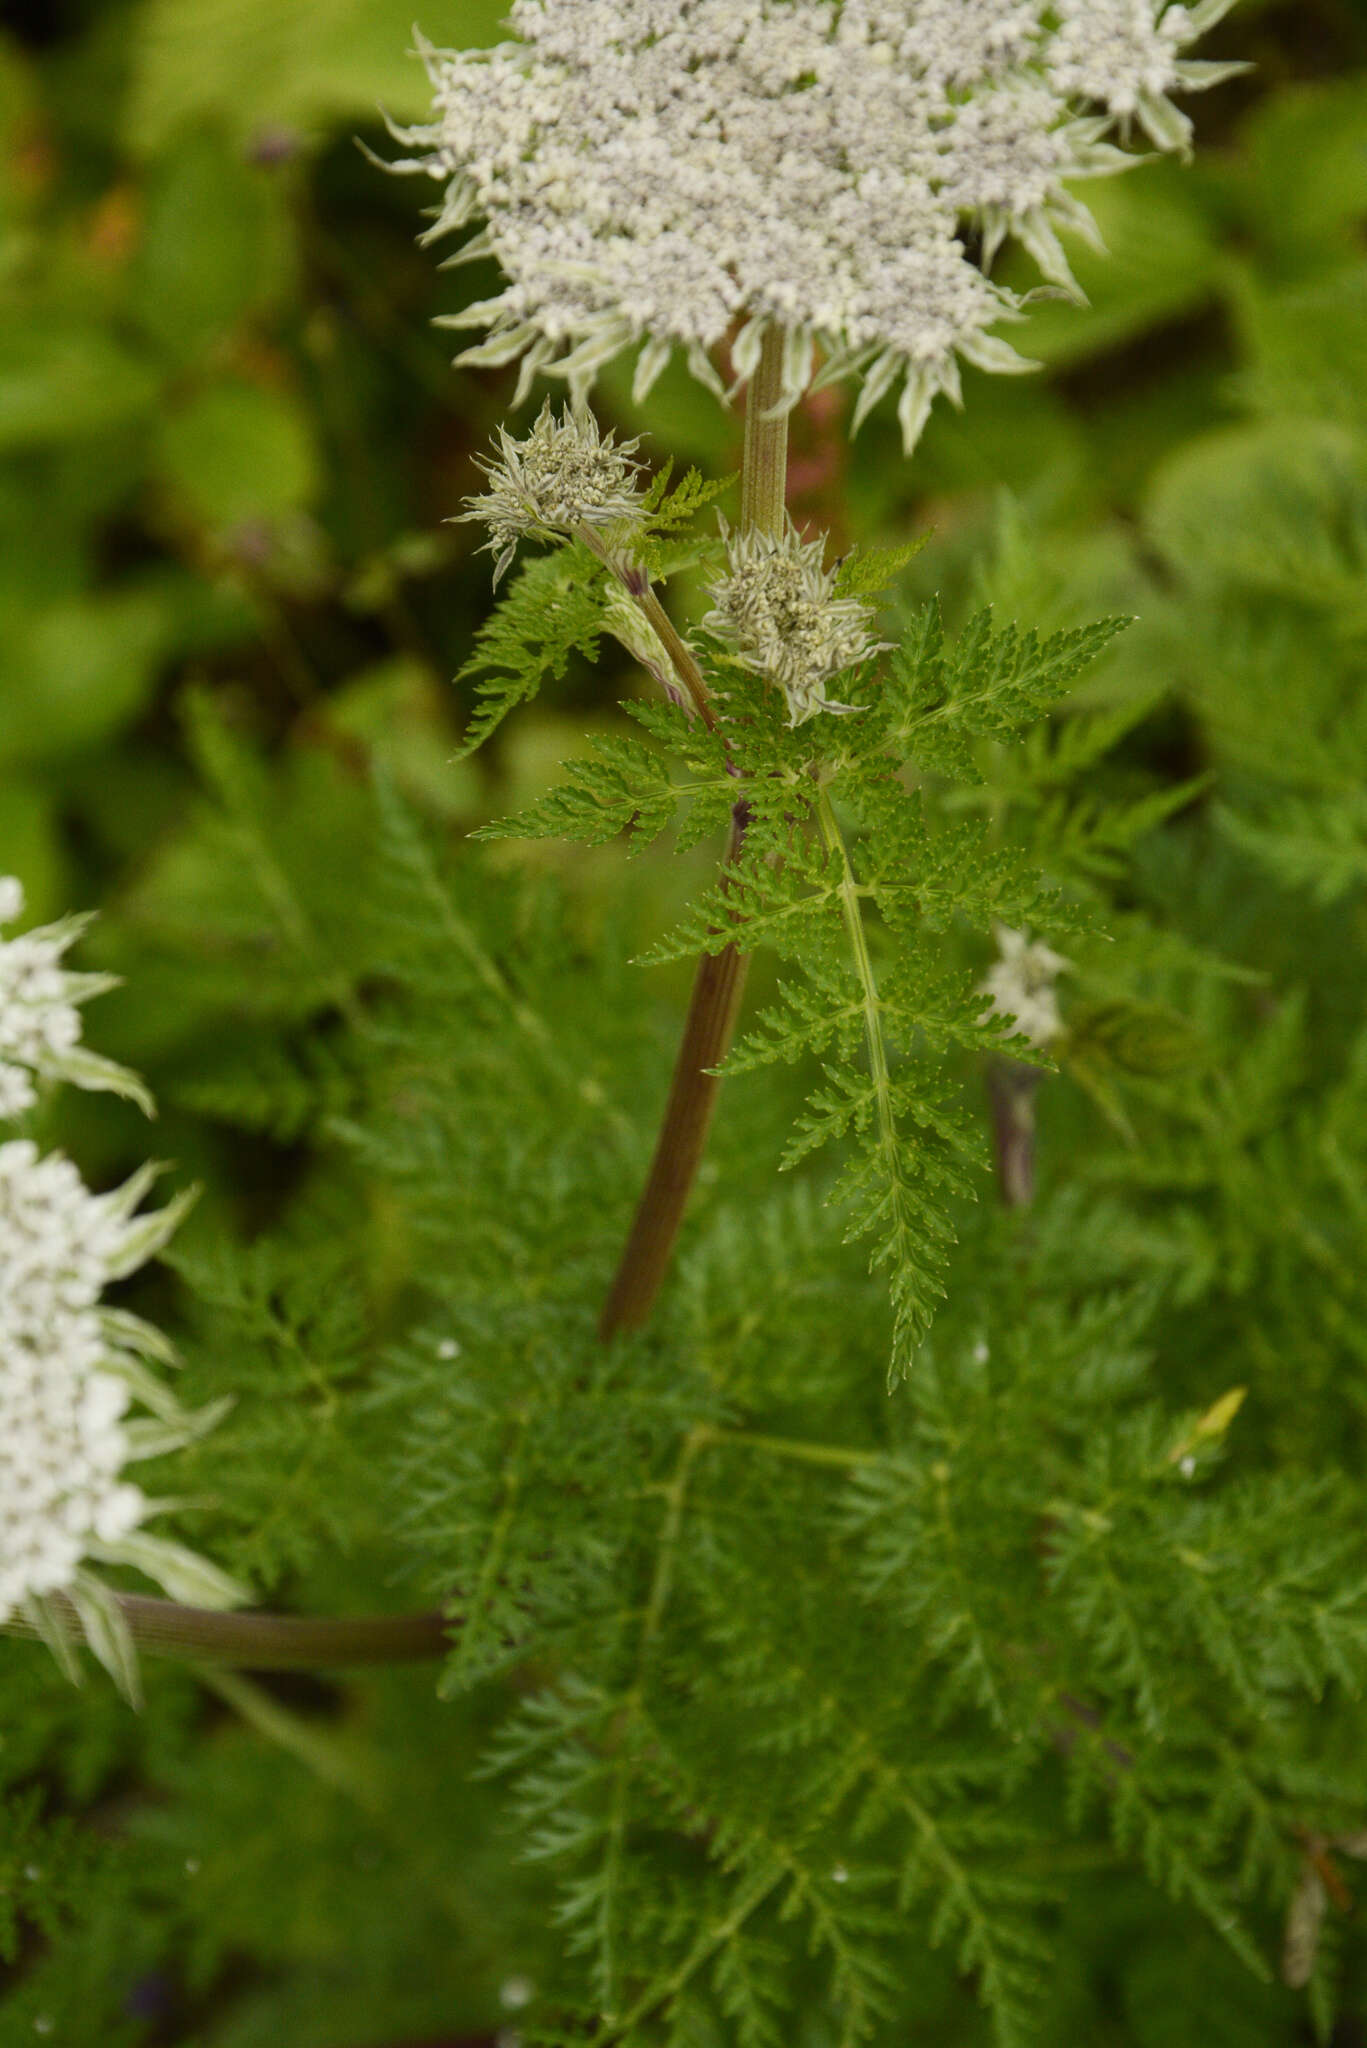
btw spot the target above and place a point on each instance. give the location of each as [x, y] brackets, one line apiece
[777, 610]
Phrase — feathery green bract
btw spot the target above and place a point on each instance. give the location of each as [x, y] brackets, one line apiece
[624, 787]
[871, 572]
[667, 515]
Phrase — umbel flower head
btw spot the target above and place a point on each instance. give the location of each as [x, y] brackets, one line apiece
[662, 173]
[72, 1370]
[563, 477]
[777, 611]
[1020, 983]
[40, 1024]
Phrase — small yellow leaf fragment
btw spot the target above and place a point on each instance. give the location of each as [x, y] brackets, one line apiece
[1210, 1427]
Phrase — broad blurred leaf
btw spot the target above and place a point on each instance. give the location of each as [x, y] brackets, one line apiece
[1157, 267]
[64, 381]
[1308, 347]
[16, 103]
[1308, 170]
[213, 246]
[75, 672]
[239, 452]
[995, 442]
[260, 64]
[400, 717]
[1280, 505]
[29, 845]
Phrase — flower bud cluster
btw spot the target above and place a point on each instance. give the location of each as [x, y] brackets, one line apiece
[1020, 984]
[668, 173]
[777, 611]
[563, 477]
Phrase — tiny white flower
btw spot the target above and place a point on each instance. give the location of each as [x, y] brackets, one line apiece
[40, 1023]
[562, 477]
[1021, 985]
[657, 174]
[17, 1092]
[777, 611]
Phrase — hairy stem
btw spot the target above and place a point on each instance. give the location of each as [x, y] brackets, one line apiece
[272, 1642]
[720, 982]
[764, 463]
[682, 1141]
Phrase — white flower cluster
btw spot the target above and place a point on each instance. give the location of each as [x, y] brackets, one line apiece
[776, 609]
[563, 477]
[62, 1442]
[1020, 984]
[40, 1024]
[668, 172]
[70, 1368]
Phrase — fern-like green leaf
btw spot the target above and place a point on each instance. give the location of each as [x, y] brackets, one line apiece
[554, 609]
[986, 684]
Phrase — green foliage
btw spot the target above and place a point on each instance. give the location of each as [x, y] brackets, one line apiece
[1022, 1707]
[624, 787]
[794, 887]
[554, 609]
[987, 685]
[667, 515]
[47, 1872]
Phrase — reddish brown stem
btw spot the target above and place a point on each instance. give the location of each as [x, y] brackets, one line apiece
[1011, 1089]
[720, 980]
[679, 1148]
